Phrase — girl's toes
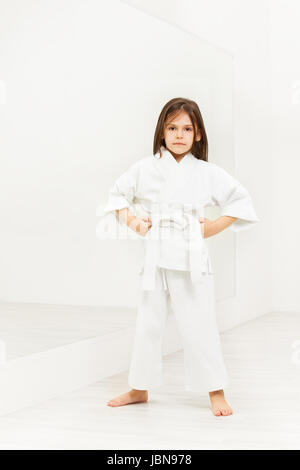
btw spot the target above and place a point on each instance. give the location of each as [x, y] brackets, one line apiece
[218, 413]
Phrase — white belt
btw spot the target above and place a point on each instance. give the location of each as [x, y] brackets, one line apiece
[198, 256]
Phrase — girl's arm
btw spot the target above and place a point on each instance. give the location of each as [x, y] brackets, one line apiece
[139, 225]
[212, 227]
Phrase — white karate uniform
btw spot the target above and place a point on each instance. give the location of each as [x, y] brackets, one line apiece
[177, 268]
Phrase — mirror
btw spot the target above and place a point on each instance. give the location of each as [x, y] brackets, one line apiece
[80, 107]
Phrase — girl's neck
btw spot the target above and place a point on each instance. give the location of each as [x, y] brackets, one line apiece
[178, 156]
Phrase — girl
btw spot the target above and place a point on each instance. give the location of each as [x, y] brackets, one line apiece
[161, 199]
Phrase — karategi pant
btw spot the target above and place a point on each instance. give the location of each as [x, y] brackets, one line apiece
[195, 313]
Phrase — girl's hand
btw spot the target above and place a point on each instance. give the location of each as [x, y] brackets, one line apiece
[205, 224]
[141, 225]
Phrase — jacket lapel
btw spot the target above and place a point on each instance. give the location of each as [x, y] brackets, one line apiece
[177, 176]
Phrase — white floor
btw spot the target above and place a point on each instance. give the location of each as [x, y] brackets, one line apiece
[264, 394]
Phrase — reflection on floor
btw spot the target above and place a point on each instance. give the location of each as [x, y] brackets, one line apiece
[32, 328]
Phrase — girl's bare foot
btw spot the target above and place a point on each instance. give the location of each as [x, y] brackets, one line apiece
[134, 396]
[219, 405]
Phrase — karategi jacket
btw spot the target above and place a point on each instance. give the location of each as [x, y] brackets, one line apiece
[174, 195]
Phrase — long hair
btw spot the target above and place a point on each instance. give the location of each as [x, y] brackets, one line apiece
[171, 109]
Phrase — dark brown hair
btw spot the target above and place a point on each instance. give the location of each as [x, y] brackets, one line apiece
[172, 109]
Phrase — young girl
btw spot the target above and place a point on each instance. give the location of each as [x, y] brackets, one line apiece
[162, 199]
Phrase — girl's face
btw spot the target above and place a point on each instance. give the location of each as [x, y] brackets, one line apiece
[179, 133]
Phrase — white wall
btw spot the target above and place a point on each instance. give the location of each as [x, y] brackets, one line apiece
[285, 68]
[241, 28]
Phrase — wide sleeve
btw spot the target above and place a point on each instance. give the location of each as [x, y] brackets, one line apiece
[233, 199]
[121, 194]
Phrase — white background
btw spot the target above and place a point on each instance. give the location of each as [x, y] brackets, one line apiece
[263, 38]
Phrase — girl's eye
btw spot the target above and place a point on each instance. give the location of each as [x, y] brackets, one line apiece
[171, 128]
